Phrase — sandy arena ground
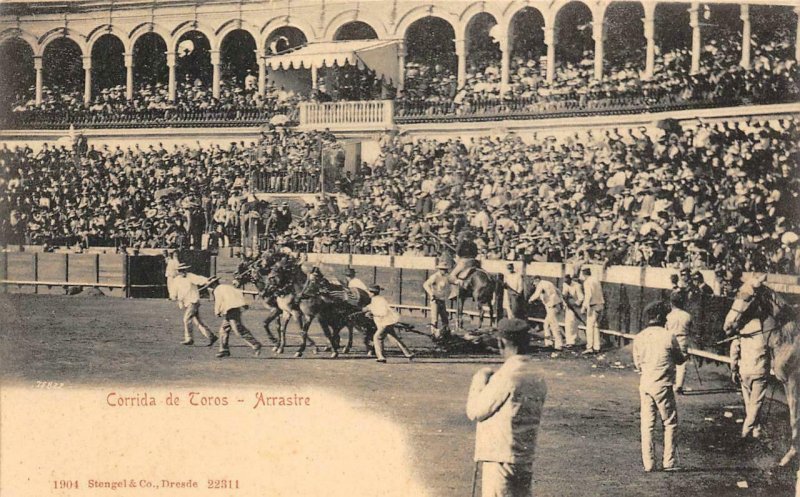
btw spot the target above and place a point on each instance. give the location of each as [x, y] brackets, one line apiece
[589, 439]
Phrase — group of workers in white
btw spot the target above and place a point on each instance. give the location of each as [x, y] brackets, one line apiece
[659, 350]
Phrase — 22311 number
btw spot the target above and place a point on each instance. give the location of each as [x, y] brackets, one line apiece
[223, 484]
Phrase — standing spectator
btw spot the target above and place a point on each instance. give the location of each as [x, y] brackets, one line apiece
[678, 321]
[514, 292]
[593, 303]
[573, 299]
[547, 292]
[171, 271]
[508, 406]
[656, 352]
[438, 288]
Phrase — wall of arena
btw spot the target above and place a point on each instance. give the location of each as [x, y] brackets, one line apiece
[627, 289]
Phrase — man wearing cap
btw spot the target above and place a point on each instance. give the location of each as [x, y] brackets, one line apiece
[593, 302]
[229, 303]
[514, 292]
[656, 352]
[553, 305]
[187, 294]
[385, 318]
[573, 298]
[508, 405]
[438, 288]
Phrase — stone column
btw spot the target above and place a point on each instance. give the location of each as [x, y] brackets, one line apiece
[597, 34]
[650, 36]
[128, 75]
[694, 22]
[550, 41]
[461, 52]
[217, 73]
[314, 78]
[262, 72]
[797, 36]
[171, 56]
[87, 79]
[37, 66]
[401, 62]
[505, 61]
[745, 17]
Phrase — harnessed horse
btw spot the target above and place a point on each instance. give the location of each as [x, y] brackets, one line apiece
[778, 321]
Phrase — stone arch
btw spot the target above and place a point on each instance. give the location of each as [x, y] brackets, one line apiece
[23, 35]
[55, 34]
[148, 27]
[187, 27]
[228, 27]
[285, 21]
[533, 40]
[107, 29]
[473, 10]
[624, 37]
[349, 16]
[421, 12]
[559, 5]
[571, 41]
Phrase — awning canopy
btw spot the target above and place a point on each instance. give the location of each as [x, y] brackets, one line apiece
[377, 55]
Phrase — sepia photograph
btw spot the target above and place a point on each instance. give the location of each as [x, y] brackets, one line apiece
[444, 248]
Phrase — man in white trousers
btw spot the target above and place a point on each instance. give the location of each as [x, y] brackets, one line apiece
[656, 352]
[593, 303]
[573, 299]
[553, 305]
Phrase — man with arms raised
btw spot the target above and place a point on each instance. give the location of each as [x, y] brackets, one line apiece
[508, 405]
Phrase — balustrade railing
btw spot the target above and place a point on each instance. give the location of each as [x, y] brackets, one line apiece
[374, 114]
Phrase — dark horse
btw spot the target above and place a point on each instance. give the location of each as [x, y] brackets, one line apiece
[482, 288]
[304, 299]
[253, 273]
[779, 322]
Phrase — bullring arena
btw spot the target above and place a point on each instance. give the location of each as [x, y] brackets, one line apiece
[654, 144]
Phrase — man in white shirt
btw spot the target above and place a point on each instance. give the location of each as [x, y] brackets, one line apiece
[229, 302]
[593, 303]
[573, 299]
[656, 352]
[678, 324]
[438, 287]
[508, 406]
[385, 318]
[514, 291]
[185, 286]
[553, 305]
[171, 271]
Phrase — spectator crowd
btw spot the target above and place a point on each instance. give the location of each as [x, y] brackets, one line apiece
[773, 76]
[142, 197]
[194, 100]
[713, 195]
[710, 195]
